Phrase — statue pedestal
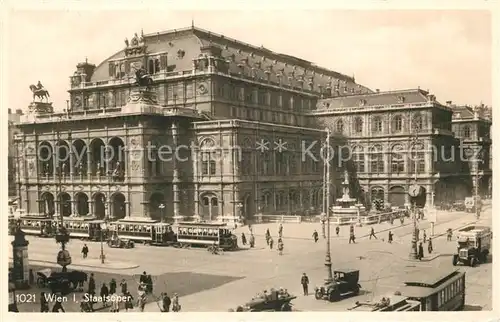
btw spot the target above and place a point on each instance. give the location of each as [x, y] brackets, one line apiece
[40, 108]
[20, 268]
[143, 100]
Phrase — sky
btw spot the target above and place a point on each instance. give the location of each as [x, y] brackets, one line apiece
[445, 52]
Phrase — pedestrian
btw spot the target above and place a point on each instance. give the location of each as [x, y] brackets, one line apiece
[112, 286]
[252, 241]
[143, 278]
[270, 243]
[243, 239]
[418, 234]
[104, 294]
[337, 230]
[31, 277]
[141, 302]
[372, 233]
[315, 236]
[91, 285]
[250, 229]
[420, 251]
[268, 235]
[425, 237]
[85, 250]
[280, 230]
[352, 238]
[429, 246]
[280, 246]
[84, 305]
[129, 304]
[304, 280]
[166, 301]
[44, 304]
[390, 237]
[449, 234]
[149, 284]
[176, 307]
[58, 306]
[123, 286]
[115, 303]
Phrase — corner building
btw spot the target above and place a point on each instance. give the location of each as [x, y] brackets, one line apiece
[395, 139]
[231, 103]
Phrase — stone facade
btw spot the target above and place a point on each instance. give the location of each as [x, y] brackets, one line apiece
[394, 139]
[13, 121]
[209, 93]
[473, 127]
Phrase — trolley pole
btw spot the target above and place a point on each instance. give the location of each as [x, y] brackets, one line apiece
[328, 258]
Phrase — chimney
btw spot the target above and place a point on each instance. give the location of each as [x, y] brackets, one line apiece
[448, 103]
[377, 90]
[431, 98]
[19, 112]
[9, 111]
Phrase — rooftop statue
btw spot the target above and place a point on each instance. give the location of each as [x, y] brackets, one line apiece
[39, 91]
[142, 78]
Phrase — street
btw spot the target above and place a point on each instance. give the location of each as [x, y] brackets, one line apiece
[207, 282]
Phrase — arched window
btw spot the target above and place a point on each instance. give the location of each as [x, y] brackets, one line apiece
[359, 159]
[466, 132]
[377, 124]
[397, 160]
[397, 123]
[339, 128]
[358, 125]
[376, 159]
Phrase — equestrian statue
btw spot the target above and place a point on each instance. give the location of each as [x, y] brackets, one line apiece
[142, 78]
[40, 92]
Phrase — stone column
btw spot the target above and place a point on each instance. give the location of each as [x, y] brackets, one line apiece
[20, 261]
[196, 195]
[90, 205]
[71, 162]
[89, 165]
[175, 174]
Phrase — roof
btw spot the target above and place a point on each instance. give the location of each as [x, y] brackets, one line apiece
[467, 113]
[408, 96]
[345, 270]
[243, 58]
[209, 224]
[429, 278]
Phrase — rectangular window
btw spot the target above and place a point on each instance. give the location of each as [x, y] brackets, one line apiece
[248, 113]
[208, 164]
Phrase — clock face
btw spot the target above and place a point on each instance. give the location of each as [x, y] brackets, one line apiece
[414, 190]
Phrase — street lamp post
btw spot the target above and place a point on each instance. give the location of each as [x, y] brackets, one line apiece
[102, 256]
[414, 191]
[162, 208]
[328, 258]
[62, 235]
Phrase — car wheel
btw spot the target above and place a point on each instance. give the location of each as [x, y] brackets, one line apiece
[455, 260]
[472, 262]
[286, 307]
[318, 295]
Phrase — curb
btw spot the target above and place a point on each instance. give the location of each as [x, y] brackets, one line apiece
[35, 261]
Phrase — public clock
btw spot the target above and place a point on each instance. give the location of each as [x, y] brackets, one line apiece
[202, 89]
[414, 190]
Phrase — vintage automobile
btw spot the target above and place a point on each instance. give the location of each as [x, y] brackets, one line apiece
[117, 242]
[273, 301]
[345, 283]
[458, 206]
[61, 282]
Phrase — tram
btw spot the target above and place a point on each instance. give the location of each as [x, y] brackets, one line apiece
[206, 234]
[35, 225]
[146, 231]
[441, 290]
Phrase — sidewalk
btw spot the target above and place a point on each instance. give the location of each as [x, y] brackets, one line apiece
[305, 230]
[37, 259]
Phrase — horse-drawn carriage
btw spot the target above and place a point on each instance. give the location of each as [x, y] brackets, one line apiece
[61, 282]
[117, 242]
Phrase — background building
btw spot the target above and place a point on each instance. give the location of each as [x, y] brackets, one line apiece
[472, 125]
[395, 139]
[13, 121]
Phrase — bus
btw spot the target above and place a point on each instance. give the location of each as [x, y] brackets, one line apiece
[436, 290]
[389, 303]
[206, 234]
